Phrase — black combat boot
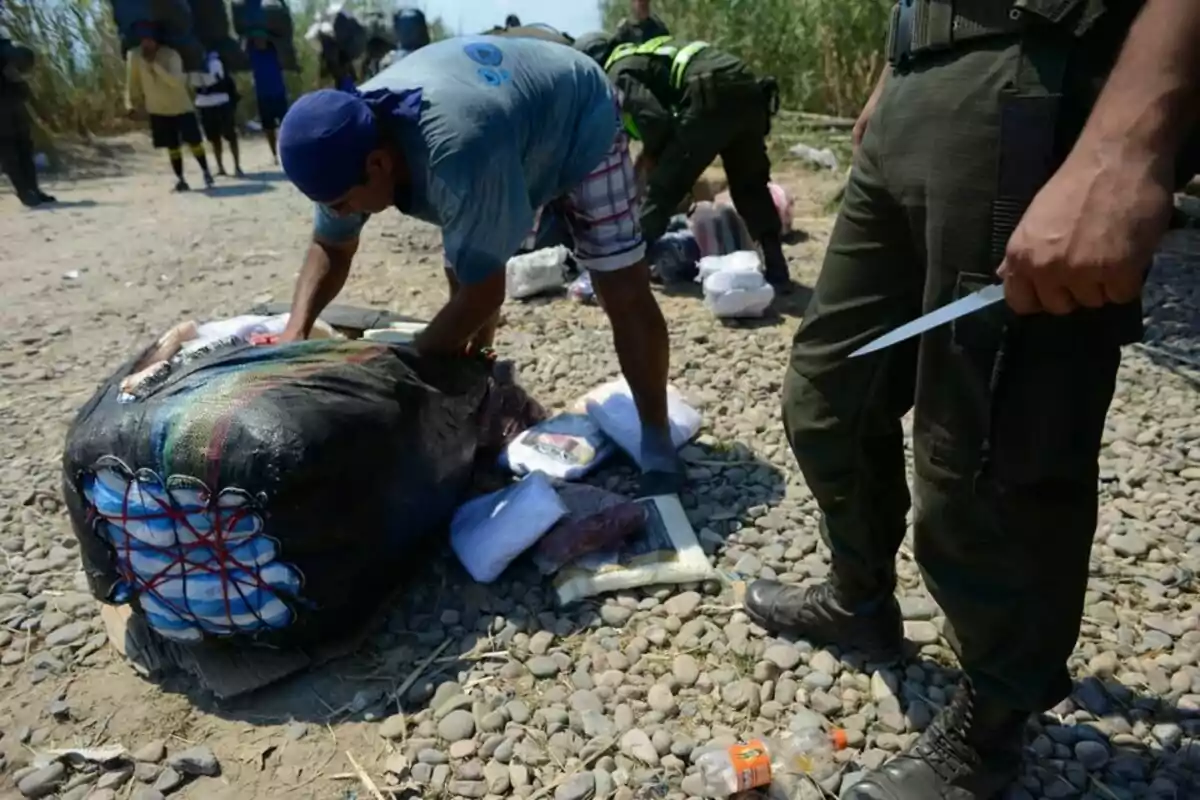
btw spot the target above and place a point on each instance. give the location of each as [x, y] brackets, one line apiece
[821, 614]
[775, 265]
[971, 751]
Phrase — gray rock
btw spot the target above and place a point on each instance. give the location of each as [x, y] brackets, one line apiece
[784, 656]
[432, 756]
[198, 760]
[581, 786]
[43, 782]
[496, 776]
[542, 666]
[824, 661]
[615, 616]
[685, 669]
[463, 749]
[636, 744]
[168, 781]
[147, 793]
[817, 680]
[1130, 545]
[456, 726]
[1091, 754]
[917, 608]
[518, 712]
[145, 772]
[151, 752]
[394, 727]
[114, 779]
[68, 634]
[540, 642]
[661, 699]
[683, 605]
[1168, 734]
[469, 789]
[921, 633]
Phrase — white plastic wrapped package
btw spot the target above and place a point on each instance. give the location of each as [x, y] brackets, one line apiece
[739, 261]
[612, 408]
[734, 285]
[567, 447]
[531, 274]
[730, 294]
[488, 533]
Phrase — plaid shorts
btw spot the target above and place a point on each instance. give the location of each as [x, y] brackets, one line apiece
[602, 214]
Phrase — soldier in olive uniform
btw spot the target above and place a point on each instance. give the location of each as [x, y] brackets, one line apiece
[689, 103]
[641, 26]
[1035, 143]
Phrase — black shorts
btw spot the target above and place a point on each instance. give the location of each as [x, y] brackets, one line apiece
[271, 109]
[174, 132]
[219, 122]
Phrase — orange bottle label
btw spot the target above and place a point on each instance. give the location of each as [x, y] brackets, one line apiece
[751, 764]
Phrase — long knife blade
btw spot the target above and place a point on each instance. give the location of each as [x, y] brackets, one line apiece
[947, 313]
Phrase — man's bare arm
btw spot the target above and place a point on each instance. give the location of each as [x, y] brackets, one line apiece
[471, 307]
[1090, 233]
[321, 279]
[1152, 97]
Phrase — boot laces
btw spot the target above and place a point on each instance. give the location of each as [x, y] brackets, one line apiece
[945, 747]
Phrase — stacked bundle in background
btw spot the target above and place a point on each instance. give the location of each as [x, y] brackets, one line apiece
[412, 31]
[210, 21]
[16, 60]
[172, 20]
[271, 19]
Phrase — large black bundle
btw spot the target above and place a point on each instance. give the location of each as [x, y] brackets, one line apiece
[210, 22]
[269, 493]
[191, 51]
[288, 58]
[381, 35]
[272, 16]
[412, 31]
[232, 54]
[15, 59]
[173, 18]
[349, 35]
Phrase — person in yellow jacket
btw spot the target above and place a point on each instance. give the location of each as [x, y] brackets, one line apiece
[156, 84]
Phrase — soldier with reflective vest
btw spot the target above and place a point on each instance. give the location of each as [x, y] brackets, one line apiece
[689, 103]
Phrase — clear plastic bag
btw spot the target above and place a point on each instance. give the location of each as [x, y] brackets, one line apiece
[537, 272]
[596, 520]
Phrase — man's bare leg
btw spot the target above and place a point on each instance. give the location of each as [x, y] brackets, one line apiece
[643, 349]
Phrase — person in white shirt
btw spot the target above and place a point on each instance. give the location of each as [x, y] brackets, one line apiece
[216, 100]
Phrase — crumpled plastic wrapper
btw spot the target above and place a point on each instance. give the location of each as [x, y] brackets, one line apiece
[596, 520]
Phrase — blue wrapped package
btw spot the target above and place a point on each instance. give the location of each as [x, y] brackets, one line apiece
[674, 257]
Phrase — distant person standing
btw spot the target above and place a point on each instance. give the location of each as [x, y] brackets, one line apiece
[640, 26]
[155, 83]
[16, 130]
[216, 99]
[269, 88]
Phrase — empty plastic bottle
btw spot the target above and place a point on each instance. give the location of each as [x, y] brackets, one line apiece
[770, 762]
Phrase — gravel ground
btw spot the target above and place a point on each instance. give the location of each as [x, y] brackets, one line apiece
[614, 699]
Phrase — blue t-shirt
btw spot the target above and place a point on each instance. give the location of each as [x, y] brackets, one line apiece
[268, 75]
[507, 125]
